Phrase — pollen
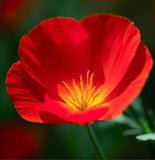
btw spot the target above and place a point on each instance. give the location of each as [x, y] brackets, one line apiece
[82, 94]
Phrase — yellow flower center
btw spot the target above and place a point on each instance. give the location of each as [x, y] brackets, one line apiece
[83, 94]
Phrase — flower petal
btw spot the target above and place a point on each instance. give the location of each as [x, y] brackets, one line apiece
[55, 50]
[26, 94]
[131, 84]
[114, 41]
[63, 111]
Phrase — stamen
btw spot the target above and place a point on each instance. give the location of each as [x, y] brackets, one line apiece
[70, 90]
[82, 95]
[77, 91]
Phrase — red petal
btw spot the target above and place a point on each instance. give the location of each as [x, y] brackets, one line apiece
[114, 41]
[131, 84]
[63, 111]
[26, 94]
[55, 50]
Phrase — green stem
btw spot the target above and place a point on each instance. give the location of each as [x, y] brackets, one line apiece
[95, 142]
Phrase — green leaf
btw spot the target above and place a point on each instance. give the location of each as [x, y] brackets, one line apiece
[132, 132]
[122, 120]
[137, 105]
[146, 137]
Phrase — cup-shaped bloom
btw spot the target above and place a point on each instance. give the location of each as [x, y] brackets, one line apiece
[78, 72]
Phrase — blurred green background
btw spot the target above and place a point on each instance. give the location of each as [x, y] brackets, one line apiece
[71, 141]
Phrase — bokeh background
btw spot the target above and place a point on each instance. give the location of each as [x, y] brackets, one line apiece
[21, 139]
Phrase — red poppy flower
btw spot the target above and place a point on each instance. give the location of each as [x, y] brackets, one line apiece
[78, 72]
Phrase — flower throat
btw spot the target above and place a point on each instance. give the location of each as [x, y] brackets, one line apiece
[82, 95]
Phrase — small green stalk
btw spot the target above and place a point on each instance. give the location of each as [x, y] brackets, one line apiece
[95, 142]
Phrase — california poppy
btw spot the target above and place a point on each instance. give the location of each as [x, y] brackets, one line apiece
[78, 72]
